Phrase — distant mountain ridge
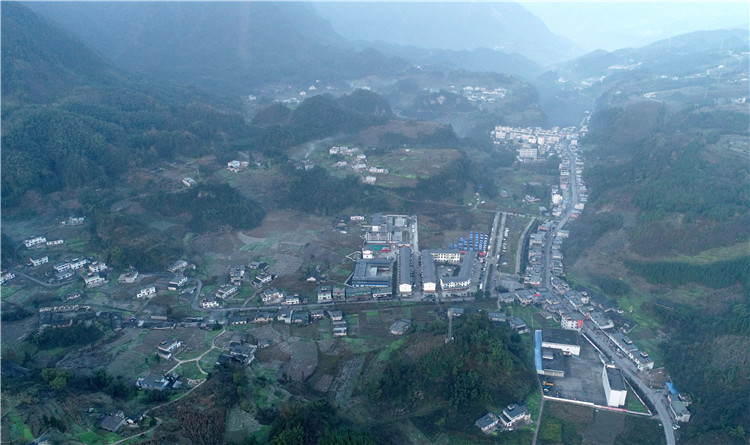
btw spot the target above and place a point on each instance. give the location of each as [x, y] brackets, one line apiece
[457, 26]
[226, 47]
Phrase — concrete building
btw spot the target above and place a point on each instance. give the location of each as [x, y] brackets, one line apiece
[614, 386]
[679, 410]
[429, 277]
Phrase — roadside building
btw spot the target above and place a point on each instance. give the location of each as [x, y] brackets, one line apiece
[404, 270]
[563, 340]
[614, 386]
[325, 294]
[679, 410]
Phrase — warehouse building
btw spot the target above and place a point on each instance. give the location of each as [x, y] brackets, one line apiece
[404, 270]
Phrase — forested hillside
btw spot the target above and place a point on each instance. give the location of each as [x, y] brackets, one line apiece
[666, 233]
[91, 123]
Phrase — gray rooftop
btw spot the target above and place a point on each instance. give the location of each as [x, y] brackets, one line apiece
[616, 381]
[560, 336]
[428, 268]
[404, 265]
[467, 267]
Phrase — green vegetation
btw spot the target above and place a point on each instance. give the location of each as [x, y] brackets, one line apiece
[76, 335]
[209, 206]
[484, 366]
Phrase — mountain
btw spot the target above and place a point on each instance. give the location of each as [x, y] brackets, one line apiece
[42, 62]
[481, 60]
[506, 27]
[690, 66]
[71, 119]
[258, 43]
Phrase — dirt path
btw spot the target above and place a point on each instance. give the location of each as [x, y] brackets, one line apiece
[198, 359]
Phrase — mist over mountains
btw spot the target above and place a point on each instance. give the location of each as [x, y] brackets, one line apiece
[227, 47]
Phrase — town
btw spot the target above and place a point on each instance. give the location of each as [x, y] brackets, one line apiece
[389, 267]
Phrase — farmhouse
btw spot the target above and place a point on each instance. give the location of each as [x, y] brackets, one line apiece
[36, 262]
[515, 414]
[92, 280]
[487, 423]
[146, 292]
[177, 282]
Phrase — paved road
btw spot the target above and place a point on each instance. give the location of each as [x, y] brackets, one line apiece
[597, 336]
[656, 400]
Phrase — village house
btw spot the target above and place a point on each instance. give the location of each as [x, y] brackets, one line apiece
[325, 294]
[237, 319]
[226, 291]
[487, 423]
[515, 414]
[271, 296]
[97, 266]
[290, 301]
[263, 317]
[209, 304]
[92, 280]
[36, 262]
[189, 182]
[56, 242]
[177, 282]
[78, 263]
[34, 241]
[128, 277]
[177, 265]
[167, 347]
[7, 276]
[237, 274]
[146, 292]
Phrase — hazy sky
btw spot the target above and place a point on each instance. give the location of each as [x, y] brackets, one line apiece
[621, 24]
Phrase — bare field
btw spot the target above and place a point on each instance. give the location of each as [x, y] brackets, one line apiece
[289, 241]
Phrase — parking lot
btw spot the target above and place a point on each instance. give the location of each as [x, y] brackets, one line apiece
[583, 377]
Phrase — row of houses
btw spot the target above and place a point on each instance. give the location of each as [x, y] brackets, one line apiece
[38, 241]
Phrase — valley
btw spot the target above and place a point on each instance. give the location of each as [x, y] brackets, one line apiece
[298, 238]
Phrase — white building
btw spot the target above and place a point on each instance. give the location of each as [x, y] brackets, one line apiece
[146, 292]
[36, 262]
[97, 266]
[78, 263]
[614, 386]
[34, 241]
[93, 280]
